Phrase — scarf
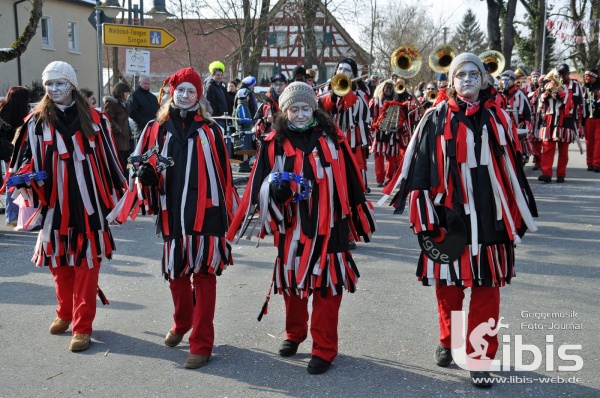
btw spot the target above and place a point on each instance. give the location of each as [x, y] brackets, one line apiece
[471, 106]
[184, 112]
[308, 125]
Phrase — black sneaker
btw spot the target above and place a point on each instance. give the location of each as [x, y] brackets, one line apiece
[596, 169]
[288, 348]
[535, 167]
[545, 178]
[481, 379]
[352, 245]
[317, 366]
[590, 168]
[443, 356]
[560, 179]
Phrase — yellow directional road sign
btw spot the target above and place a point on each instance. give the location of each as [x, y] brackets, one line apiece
[135, 36]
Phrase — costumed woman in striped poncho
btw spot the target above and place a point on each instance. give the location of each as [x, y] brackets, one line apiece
[194, 202]
[310, 195]
[70, 141]
[465, 156]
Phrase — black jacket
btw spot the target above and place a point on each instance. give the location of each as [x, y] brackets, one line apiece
[143, 106]
[216, 94]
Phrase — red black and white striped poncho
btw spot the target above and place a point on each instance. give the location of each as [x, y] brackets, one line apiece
[311, 235]
[351, 113]
[389, 142]
[194, 200]
[472, 165]
[84, 183]
[561, 115]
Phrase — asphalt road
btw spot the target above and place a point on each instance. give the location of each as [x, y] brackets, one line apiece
[388, 328]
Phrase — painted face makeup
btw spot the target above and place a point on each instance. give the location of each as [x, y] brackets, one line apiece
[278, 87]
[346, 69]
[185, 95]
[467, 81]
[507, 83]
[299, 114]
[59, 91]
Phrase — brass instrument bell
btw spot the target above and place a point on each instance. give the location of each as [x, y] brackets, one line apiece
[406, 61]
[494, 60]
[441, 57]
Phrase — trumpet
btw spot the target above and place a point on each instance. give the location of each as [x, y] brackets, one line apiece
[494, 60]
[553, 77]
[406, 61]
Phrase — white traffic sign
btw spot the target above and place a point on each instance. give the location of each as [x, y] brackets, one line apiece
[137, 62]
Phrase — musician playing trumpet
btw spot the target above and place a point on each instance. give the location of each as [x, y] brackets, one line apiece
[351, 112]
[561, 106]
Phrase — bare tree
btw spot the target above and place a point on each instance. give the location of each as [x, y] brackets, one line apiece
[405, 24]
[22, 42]
[493, 24]
[508, 39]
[584, 54]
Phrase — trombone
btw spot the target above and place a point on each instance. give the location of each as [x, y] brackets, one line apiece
[340, 84]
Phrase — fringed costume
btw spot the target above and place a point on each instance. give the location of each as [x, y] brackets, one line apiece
[470, 164]
[311, 234]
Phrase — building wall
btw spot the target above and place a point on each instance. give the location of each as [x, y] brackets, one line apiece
[35, 58]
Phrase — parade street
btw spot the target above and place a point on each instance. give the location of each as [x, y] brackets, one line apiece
[388, 329]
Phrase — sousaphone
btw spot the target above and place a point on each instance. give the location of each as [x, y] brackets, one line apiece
[406, 61]
[494, 60]
[441, 57]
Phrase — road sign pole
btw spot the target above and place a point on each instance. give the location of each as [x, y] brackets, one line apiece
[99, 54]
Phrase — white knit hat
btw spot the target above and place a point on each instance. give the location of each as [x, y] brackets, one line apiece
[59, 70]
[297, 92]
[461, 59]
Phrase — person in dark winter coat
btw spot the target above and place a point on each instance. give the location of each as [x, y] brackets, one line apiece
[310, 214]
[143, 105]
[216, 91]
[116, 110]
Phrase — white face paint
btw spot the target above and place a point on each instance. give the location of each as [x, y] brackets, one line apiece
[278, 87]
[467, 81]
[299, 114]
[507, 82]
[185, 95]
[59, 91]
[346, 69]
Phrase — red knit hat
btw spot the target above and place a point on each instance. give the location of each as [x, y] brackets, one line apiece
[188, 75]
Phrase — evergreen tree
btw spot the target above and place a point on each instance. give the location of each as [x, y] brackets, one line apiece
[468, 36]
[525, 42]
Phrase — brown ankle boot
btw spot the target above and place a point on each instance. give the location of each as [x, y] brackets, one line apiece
[59, 326]
[172, 339]
[80, 342]
[196, 361]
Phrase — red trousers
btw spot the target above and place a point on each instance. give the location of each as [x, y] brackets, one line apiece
[323, 325]
[384, 171]
[484, 304]
[548, 150]
[199, 318]
[592, 142]
[76, 288]
[537, 151]
[359, 157]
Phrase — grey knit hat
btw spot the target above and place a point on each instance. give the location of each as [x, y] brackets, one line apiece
[297, 92]
[510, 74]
[461, 59]
[59, 70]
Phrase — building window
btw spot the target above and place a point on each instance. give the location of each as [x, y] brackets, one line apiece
[47, 32]
[73, 35]
[277, 39]
[324, 39]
